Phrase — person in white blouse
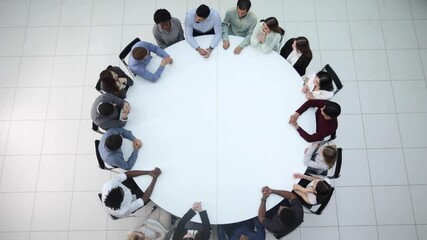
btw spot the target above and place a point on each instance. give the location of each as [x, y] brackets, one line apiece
[266, 35]
[320, 156]
[315, 192]
[318, 86]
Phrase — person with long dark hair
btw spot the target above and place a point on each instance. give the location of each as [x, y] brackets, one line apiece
[115, 81]
[298, 53]
[266, 35]
[318, 86]
[316, 191]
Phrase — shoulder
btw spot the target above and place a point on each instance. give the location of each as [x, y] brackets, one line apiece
[175, 20]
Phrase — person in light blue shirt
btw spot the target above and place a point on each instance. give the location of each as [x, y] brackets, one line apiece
[141, 57]
[203, 21]
[110, 148]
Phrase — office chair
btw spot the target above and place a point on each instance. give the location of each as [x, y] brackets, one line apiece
[125, 52]
[282, 35]
[334, 76]
[101, 163]
[97, 129]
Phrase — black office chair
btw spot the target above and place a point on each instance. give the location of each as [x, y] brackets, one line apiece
[125, 52]
[282, 35]
[101, 163]
[321, 206]
[97, 129]
[334, 76]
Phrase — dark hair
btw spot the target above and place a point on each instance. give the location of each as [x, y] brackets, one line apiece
[322, 191]
[272, 24]
[203, 11]
[113, 142]
[106, 108]
[114, 198]
[325, 81]
[332, 109]
[162, 15]
[244, 4]
[303, 46]
[139, 53]
[109, 83]
[330, 154]
[287, 216]
[200, 235]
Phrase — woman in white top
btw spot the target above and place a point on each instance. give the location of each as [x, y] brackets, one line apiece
[318, 86]
[266, 35]
[154, 224]
[315, 192]
[320, 156]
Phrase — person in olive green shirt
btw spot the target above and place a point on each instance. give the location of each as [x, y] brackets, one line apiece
[240, 22]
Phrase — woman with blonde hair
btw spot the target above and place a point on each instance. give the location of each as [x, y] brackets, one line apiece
[154, 223]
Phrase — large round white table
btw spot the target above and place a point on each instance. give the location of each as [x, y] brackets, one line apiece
[218, 129]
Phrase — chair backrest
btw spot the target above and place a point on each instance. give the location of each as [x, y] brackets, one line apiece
[338, 164]
[323, 205]
[125, 52]
[101, 163]
[334, 76]
[100, 199]
[97, 129]
[282, 35]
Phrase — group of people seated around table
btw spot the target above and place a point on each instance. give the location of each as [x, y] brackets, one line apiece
[110, 111]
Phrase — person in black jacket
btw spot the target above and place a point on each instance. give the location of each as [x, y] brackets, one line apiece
[113, 80]
[298, 53]
[191, 230]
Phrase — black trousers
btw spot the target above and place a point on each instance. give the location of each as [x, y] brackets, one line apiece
[131, 184]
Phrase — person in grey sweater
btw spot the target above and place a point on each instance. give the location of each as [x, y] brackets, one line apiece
[168, 30]
[109, 111]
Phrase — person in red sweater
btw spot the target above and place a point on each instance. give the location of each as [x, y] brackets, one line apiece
[326, 119]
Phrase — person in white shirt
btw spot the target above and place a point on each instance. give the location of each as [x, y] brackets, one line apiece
[121, 196]
[318, 86]
[315, 192]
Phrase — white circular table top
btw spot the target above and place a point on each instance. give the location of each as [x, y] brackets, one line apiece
[218, 129]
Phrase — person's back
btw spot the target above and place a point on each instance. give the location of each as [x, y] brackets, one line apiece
[105, 112]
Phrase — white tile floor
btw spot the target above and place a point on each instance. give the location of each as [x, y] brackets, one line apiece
[51, 52]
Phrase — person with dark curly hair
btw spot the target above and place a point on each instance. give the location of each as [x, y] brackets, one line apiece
[168, 29]
[121, 196]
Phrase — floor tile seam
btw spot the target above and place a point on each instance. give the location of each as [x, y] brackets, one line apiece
[80, 124]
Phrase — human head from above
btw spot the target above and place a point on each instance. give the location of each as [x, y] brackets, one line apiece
[114, 142]
[243, 237]
[202, 12]
[114, 198]
[136, 236]
[108, 79]
[331, 110]
[302, 45]
[243, 7]
[324, 81]
[322, 190]
[271, 25]
[162, 17]
[139, 53]
[287, 216]
[330, 155]
[106, 108]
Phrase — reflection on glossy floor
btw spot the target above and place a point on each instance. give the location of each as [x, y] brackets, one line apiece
[51, 52]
